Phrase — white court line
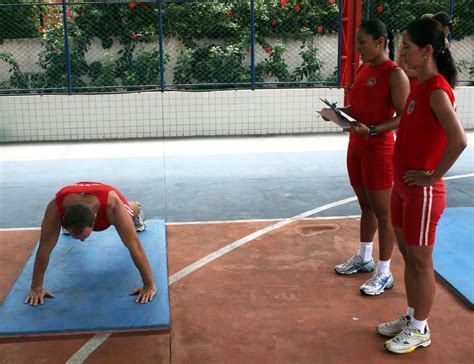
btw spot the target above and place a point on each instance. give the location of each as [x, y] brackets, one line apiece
[459, 176]
[89, 347]
[228, 248]
[219, 222]
[259, 220]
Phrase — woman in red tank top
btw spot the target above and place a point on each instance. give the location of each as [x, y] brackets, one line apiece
[377, 97]
[429, 141]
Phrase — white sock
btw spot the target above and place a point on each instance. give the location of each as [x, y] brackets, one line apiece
[410, 311]
[365, 250]
[419, 324]
[384, 266]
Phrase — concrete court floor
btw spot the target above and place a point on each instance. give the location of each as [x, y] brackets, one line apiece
[274, 299]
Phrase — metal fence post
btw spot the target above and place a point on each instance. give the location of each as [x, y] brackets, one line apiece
[367, 10]
[162, 50]
[252, 43]
[68, 49]
[451, 14]
[339, 44]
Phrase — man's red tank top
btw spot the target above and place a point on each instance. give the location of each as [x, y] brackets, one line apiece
[421, 140]
[101, 191]
[371, 98]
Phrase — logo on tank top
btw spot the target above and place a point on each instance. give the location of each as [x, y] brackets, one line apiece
[372, 81]
[411, 107]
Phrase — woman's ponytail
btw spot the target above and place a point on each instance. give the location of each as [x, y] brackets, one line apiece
[390, 45]
[446, 66]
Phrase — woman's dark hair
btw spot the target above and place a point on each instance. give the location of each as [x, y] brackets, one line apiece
[377, 29]
[428, 31]
[78, 216]
[444, 19]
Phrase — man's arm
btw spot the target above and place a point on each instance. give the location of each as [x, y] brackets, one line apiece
[50, 228]
[123, 222]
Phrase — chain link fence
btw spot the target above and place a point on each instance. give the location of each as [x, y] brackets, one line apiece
[111, 46]
[116, 46]
[397, 15]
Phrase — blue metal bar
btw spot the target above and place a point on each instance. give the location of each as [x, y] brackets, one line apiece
[68, 49]
[162, 48]
[252, 43]
[367, 10]
[339, 45]
[451, 14]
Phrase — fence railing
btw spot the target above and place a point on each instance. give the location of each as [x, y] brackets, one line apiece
[108, 46]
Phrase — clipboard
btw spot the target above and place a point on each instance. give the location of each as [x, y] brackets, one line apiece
[338, 116]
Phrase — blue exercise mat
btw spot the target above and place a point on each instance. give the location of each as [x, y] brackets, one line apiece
[453, 254]
[91, 281]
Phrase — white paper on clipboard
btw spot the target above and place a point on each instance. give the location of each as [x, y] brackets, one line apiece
[337, 116]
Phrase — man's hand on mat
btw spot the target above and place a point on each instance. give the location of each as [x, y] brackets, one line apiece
[37, 295]
[145, 294]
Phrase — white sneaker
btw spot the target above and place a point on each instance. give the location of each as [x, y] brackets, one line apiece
[355, 264]
[408, 340]
[139, 220]
[394, 327]
[377, 284]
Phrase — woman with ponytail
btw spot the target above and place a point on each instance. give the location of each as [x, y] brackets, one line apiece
[429, 140]
[377, 98]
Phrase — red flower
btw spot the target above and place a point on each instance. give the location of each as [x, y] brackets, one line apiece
[297, 8]
[229, 13]
[332, 1]
[133, 36]
[268, 50]
[320, 29]
[379, 9]
[40, 28]
[132, 5]
[274, 22]
[145, 7]
[283, 2]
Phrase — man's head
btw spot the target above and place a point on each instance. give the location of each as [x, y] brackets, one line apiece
[79, 220]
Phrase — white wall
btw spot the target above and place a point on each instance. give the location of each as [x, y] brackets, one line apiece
[176, 114]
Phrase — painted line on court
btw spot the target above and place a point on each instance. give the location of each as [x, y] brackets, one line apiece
[83, 353]
[459, 176]
[221, 221]
[259, 220]
[17, 229]
[236, 244]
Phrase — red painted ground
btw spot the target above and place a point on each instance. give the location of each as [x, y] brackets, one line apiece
[275, 299]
